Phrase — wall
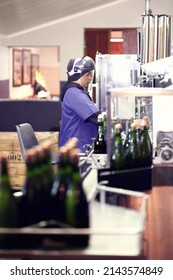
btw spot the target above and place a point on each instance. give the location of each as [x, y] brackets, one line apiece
[48, 67]
[17, 92]
[4, 69]
[69, 33]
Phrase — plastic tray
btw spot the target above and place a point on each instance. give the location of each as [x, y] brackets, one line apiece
[115, 230]
[120, 228]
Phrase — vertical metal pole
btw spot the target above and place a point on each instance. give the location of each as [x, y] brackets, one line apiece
[169, 35]
[97, 78]
[147, 7]
[155, 37]
[164, 36]
[109, 146]
[168, 51]
[138, 107]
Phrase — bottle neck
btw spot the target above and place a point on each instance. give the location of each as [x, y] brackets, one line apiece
[133, 136]
[4, 169]
[100, 128]
[5, 181]
[117, 134]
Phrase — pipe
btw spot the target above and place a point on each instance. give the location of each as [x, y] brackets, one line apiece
[148, 11]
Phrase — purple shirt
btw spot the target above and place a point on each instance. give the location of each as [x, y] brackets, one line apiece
[77, 106]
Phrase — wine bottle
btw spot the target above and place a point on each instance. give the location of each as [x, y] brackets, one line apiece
[128, 134]
[77, 208]
[132, 154]
[39, 184]
[31, 203]
[48, 176]
[104, 116]
[145, 145]
[60, 185]
[100, 142]
[146, 124]
[117, 158]
[72, 143]
[8, 206]
[26, 215]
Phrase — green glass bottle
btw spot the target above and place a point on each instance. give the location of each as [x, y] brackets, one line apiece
[132, 154]
[128, 134]
[115, 120]
[117, 158]
[39, 187]
[77, 208]
[8, 206]
[47, 169]
[145, 145]
[30, 208]
[104, 116]
[100, 142]
[60, 185]
[48, 176]
[146, 124]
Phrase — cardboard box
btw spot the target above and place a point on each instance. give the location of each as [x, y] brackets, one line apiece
[9, 146]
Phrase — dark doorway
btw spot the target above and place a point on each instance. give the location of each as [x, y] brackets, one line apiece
[110, 41]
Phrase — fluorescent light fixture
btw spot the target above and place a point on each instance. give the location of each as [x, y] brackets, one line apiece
[116, 40]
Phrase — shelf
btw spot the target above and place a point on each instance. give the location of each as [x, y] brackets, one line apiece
[134, 92]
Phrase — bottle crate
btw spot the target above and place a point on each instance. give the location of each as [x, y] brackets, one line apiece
[9, 146]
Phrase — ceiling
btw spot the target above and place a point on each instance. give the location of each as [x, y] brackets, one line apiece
[19, 15]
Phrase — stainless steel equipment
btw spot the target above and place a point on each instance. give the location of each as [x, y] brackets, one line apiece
[165, 146]
[155, 36]
[114, 71]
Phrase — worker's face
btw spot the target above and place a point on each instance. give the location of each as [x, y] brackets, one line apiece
[87, 79]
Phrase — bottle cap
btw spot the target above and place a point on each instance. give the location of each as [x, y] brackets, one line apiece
[100, 117]
[118, 126]
[74, 155]
[103, 114]
[133, 126]
[72, 142]
[116, 118]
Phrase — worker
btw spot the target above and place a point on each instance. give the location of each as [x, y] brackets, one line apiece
[79, 112]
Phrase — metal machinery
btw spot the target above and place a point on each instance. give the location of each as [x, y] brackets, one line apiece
[113, 71]
[154, 44]
[155, 40]
[157, 70]
[116, 71]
